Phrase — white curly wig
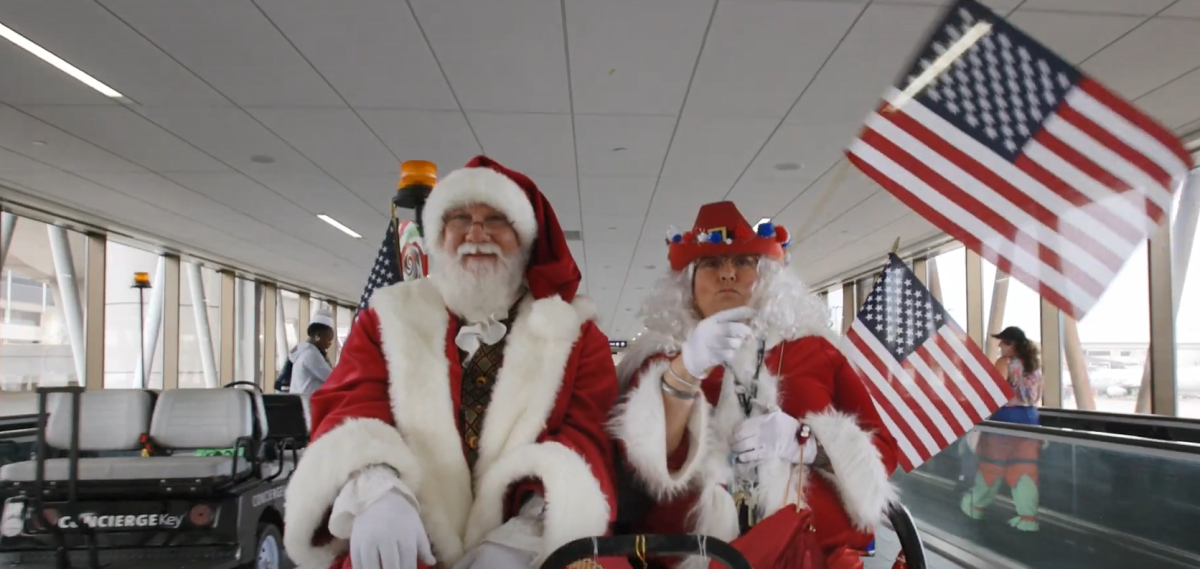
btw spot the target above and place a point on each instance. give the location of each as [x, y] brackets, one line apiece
[787, 309]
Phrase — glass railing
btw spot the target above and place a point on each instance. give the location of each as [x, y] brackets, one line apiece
[1042, 497]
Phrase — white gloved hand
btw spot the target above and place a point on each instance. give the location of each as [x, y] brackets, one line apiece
[490, 555]
[389, 534]
[769, 436]
[716, 340]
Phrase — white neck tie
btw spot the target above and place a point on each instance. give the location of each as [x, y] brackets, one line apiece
[489, 332]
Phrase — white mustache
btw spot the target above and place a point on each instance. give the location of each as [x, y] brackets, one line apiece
[479, 249]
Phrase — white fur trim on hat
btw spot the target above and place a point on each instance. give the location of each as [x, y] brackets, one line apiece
[480, 186]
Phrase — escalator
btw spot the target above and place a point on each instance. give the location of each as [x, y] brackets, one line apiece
[1104, 500]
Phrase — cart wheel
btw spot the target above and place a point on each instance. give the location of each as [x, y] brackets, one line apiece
[269, 553]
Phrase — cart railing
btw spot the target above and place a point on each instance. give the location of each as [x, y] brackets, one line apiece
[641, 546]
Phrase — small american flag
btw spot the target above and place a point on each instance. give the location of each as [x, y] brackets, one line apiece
[1025, 160]
[387, 267]
[930, 382]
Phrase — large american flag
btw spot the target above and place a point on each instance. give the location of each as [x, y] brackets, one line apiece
[1028, 162]
[930, 382]
[386, 270]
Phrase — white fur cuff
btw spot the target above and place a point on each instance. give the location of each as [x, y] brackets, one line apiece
[576, 506]
[326, 467]
[640, 424]
[859, 474]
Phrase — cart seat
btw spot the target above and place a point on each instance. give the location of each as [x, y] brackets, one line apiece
[110, 420]
[182, 419]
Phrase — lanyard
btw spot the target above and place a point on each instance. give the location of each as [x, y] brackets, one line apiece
[748, 393]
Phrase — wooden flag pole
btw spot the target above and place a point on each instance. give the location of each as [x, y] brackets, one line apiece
[896, 246]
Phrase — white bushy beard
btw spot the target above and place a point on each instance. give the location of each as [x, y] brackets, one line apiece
[479, 289]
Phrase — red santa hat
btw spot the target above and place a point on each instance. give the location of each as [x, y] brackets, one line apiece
[552, 269]
[721, 230]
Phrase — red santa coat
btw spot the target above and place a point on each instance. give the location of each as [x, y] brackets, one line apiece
[807, 377]
[393, 400]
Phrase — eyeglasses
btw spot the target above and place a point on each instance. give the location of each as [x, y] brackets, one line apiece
[491, 225]
[738, 262]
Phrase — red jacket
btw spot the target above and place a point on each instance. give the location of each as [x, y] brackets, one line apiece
[393, 400]
[808, 378]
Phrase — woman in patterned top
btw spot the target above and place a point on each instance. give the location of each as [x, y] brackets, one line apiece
[1008, 458]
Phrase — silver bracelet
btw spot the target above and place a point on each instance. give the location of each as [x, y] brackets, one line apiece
[678, 393]
[671, 371]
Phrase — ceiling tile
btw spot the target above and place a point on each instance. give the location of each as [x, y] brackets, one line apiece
[13, 162]
[393, 66]
[865, 64]
[29, 80]
[1174, 104]
[791, 41]
[503, 56]
[612, 196]
[335, 139]
[1073, 36]
[247, 197]
[1165, 49]
[612, 145]
[127, 134]
[535, 144]
[713, 151]
[1183, 9]
[563, 194]
[634, 56]
[442, 137]
[827, 201]
[22, 134]
[232, 46]
[170, 196]
[92, 39]
[1136, 7]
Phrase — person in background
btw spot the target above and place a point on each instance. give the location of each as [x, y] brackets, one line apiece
[310, 358]
[1008, 458]
[736, 367]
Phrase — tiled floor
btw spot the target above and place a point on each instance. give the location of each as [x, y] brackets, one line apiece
[887, 547]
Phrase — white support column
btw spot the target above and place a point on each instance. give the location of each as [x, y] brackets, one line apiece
[1183, 238]
[208, 358]
[153, 323]
[64, 271]
[8, 222]
[996, 315]
[281, 341]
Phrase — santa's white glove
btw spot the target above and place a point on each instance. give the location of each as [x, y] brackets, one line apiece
[494, 556]
[716, 340]
[389, 534]
[770, 436]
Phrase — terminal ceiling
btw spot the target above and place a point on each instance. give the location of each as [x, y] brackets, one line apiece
[245, 119]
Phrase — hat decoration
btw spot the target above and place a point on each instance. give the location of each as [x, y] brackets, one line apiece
[719, 230]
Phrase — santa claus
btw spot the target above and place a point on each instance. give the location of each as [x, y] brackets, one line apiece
[737, 404]
[464, 424]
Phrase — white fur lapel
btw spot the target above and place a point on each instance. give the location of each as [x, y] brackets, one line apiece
[413, 325]
[412, 328]
[535, 356]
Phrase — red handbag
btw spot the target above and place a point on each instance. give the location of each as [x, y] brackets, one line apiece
[784, 540]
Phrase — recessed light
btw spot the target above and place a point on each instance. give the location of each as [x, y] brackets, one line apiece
[651, 267]
[41, 52]
[787, 166]
[618, 149]
[39, 143]
[337, 224]
[262, 159]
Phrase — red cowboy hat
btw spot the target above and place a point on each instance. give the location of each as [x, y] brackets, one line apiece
[721, 230]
